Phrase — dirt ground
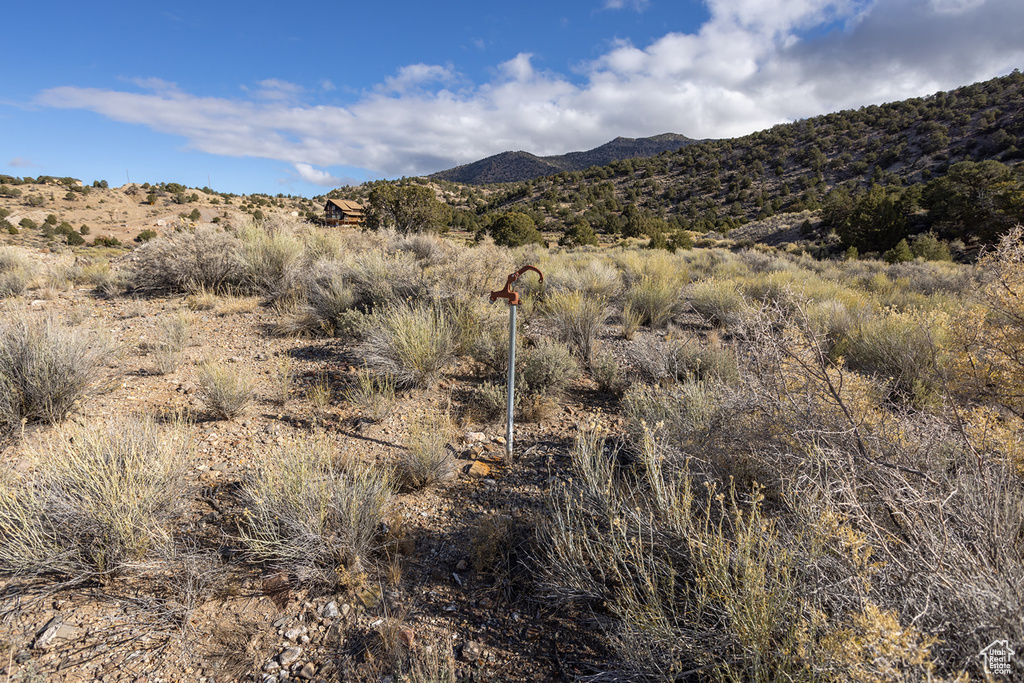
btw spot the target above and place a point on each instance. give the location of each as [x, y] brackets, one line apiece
[431, 593]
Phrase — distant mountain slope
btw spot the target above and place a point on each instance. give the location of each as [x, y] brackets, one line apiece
[513, 167]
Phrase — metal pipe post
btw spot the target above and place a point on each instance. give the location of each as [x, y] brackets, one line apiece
[511, 379]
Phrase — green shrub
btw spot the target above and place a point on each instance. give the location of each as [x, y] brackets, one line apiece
[515, 229]
[99, 500]
[305, 516]
[106, 241]
[411, 343]
[28, 224]
[144, 236]
[45, 368]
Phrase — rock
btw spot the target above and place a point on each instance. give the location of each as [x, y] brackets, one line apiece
[461, 566]
[307, 672]
[289, 656]
[499, 440]
[474, 437]
[370, 597]
[439, 574]
[345, 609]
[48, 633]
[271, 667]
[406, 636]
[472, 651]
[478, 470]
[295, 633]
[330, 610]
[280, 621]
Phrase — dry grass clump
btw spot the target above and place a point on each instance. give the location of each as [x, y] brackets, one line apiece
[45, 367]
[501, 546]
[686, 358]
[546, 369]
[718, 302]
[186, 261]
[428, 457]
[305, 516]
[411, 343]
[16, 271]
[271, 257]
[172, 333]
[576, 317]
[902, 350]
[652, 300]
[605, 370]
[227, 390]
[98, 502]
[372, 393]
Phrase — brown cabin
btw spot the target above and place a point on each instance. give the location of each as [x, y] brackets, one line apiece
[342, 212]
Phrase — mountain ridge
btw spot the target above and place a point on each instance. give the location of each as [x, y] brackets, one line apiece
[518, 166]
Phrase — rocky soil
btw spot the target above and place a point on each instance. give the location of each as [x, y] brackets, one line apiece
[257, 625]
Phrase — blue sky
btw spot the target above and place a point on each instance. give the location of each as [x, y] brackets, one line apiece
[302, 97]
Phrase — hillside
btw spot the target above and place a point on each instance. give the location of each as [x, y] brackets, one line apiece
[511, 167]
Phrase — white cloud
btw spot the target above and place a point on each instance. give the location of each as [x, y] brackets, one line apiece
[20, 162]
[315, 176]
[638, 5]
[753, 64]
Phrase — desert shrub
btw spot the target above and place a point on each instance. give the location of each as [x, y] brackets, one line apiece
[545, 369]
[46, 368]
[576, 317]
[15, 272]
[144, 236]
[652, 299]
[900, 350]
[99, 500]
[490, 349]
[372, 393]
[489, 401]
[187, 261]
[172, 335]
[686, 358]
[105, 241]
[378, 279]
[605, 370]
[270, 261]
[594, 277]
[678, 416]
[227, 390]
[631, 320]
[327, 307]
[428, 249]
[427, 458]
[717, 302]
[501, 546]
[989, 336]
[697, 577]
[311, 519]
[409, 342]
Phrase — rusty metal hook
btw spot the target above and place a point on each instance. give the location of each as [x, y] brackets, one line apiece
[508, 293]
